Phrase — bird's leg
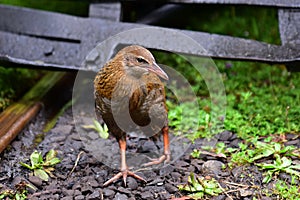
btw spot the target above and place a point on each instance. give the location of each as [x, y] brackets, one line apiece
[167, 154]
[124, 169]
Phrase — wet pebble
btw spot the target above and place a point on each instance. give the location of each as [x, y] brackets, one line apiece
[37, 181]
[92, 182]
[68, 192]
[212, 166]
[236, 172]
[148, 146]
[67, 198]
[166, 170]
[94, 196]
[170, 188]
[147, 195]
[123, 190]
[225, 135]
[234, 143]
[77, 193]
[132, 183]
[120, 196]
[219, 197]
[79, 197]
[108, 192]
[86, 189]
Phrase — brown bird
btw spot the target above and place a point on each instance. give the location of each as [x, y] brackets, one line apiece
[129, 96]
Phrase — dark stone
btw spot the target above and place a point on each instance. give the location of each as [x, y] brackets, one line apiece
[92, 182]
[17, 180]
[120, 196]
[67, 198]
[58, 138]
[86, 189]
[37, 181]
[181, 163]
[156, 181]
[53, 185]
[234, 136]
[166, 170]
[17, 145]
[77, 193]
[212, 166]
[164, 195]
[176, 176]
[94, 196]
[54, 197]
[79, 197]
[70, 185]
[292, 142]
[170, 188]
[225, 135]
[234, 143]
[61, 176]
[132, 183]
[68, 192]
[62, 129]
[220, 197]
[123, 190]
[236, 172]
[147, 195]
[148, 146]
[108, 192]
[76, 186]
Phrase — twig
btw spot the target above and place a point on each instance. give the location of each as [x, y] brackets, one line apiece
[225, 192]
[76, 162]
[236, 184]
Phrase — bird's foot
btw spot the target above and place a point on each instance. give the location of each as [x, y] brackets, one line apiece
[164, 158]
[124, 174]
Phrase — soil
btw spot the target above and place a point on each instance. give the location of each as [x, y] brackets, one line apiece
[81, 175]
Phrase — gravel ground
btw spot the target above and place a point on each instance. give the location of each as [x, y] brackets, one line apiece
[86, 180]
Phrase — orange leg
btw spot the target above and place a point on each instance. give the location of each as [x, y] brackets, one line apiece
[124, 172]
[167, 154]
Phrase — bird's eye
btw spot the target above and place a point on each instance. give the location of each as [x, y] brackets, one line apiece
[141, 60]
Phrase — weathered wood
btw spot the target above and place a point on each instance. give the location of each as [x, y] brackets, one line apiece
[63, 41]
[273, 3]
[16, 117]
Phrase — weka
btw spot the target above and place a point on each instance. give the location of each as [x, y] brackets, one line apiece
[129, 96]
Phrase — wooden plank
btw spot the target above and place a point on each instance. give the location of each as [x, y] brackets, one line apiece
[273, 3]
[56, 49]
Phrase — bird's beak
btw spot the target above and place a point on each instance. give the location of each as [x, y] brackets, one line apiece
[158, 71]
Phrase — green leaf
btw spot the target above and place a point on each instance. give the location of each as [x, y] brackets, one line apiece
[291, 171]
[41, 174]
[103, 131]
[277, 147]
[26, 165]
[36, 159]
[51, 154]
[286, 162]
[268, 178]
[296, 167]
[54, 161]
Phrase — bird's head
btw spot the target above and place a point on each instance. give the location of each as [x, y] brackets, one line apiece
[138, 61]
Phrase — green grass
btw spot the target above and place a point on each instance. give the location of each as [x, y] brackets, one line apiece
[73, 7]
[14, 82]
[258, 23]
[262, 99]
